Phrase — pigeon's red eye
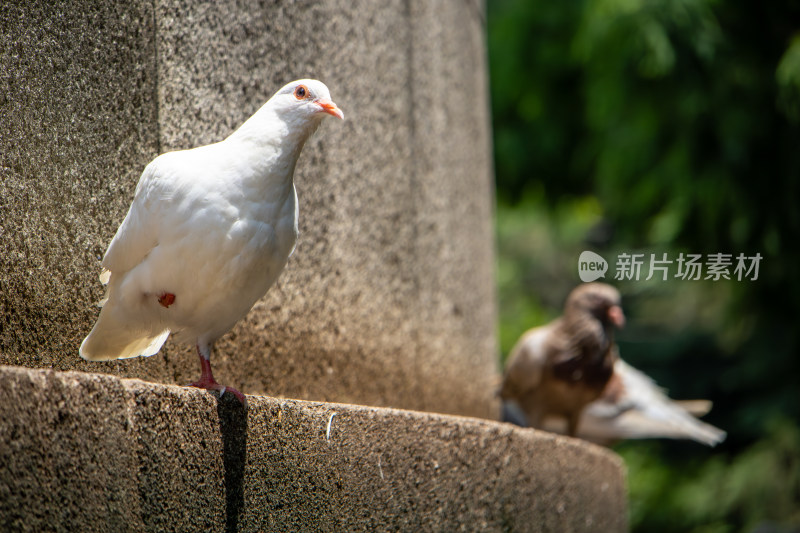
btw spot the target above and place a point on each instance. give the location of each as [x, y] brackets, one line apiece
[300, 92]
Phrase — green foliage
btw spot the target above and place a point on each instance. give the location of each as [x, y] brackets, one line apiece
[787, 76]
[664, 126]
[758, 487]
[536, 248]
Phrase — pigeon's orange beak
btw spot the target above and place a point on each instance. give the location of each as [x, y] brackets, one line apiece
[329, 107]
[616, 316]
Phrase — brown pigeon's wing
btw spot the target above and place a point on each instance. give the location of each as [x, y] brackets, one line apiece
[526, 362]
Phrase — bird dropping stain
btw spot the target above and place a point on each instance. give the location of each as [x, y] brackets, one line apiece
[166, 299]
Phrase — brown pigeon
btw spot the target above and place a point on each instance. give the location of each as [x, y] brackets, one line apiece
[558, 369]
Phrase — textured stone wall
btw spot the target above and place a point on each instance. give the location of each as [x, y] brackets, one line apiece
[388, 299]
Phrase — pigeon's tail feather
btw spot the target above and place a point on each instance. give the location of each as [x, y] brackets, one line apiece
[105, 347]
[112, 338]
[635, 424]
[695, 407]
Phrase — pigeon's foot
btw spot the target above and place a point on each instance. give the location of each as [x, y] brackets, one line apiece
[211, 384]
[207, 380]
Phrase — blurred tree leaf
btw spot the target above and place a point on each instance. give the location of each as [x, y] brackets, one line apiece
[787, 75]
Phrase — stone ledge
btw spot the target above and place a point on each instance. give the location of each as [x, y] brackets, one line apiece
[85, 451]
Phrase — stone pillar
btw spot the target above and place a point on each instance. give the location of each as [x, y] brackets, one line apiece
[388, 299]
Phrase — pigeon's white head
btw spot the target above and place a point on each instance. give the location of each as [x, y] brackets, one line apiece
[304, 100]
[290, 116]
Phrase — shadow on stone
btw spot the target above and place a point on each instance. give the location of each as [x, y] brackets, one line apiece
[233, 428]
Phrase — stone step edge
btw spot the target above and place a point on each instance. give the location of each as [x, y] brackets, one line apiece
[79, 448]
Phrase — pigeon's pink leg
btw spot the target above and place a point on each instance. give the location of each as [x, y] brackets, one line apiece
[207, 380]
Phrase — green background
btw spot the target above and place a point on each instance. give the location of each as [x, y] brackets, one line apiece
[658, 126]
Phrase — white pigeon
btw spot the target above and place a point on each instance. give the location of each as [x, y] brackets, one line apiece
[208, 232]
[633, 406]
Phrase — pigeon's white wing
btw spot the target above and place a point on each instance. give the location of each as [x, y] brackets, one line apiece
[122, 332]
[642, 411]
[138, 233]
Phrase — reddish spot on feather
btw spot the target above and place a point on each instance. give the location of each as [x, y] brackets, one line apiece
[166, 299]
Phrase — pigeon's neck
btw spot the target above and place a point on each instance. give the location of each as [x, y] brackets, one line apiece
[267, 148]
[589, 333]
[274, 138]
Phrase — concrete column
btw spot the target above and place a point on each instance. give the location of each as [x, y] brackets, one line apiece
[388, 299]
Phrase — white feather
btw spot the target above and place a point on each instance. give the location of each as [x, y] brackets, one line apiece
[644, 411]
